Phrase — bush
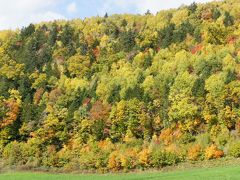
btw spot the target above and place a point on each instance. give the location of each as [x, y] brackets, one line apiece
[92, 158]
[187, 138]
[194, 152]
[65, 155]
[144, 157]
[50, 157]
[12, 153]
[203, 139]
[23, 153]
[129, 158]
[105, 148]
[234, 150]
[125, 159]
[166, 136]
[162, 158]
[94, 155]
[212, 152]
[32, 152]
[114, 162]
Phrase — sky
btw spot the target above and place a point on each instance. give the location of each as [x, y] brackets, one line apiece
[19, 13]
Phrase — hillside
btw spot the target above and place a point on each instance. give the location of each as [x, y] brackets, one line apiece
[122, 92]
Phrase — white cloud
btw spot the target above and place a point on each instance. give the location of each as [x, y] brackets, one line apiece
[18, 13]
[46, 16]
[141, 6]
[155, 5]
[72, 8]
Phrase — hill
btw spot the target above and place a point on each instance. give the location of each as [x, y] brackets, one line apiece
[122, 92]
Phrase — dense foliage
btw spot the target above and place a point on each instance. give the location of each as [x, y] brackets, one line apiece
[122, 91]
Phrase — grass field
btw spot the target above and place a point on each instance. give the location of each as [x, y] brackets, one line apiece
[220, 173]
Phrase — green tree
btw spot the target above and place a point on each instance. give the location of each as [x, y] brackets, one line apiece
[228, 19]
[128, 117]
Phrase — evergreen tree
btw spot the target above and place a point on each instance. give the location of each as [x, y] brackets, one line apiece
[228, 19]
[106, 15]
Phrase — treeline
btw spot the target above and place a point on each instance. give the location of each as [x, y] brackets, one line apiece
[122, 91]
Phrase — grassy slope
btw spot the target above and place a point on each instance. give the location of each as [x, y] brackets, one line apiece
[220, 173]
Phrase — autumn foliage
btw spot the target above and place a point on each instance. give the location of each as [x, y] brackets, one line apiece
[122, 92]
[12, 111]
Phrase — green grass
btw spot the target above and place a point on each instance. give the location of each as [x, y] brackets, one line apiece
[220, 173]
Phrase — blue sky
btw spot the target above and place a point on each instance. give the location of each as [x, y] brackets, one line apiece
[18, 13]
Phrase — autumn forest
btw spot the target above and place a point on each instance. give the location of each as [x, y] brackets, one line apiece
[122, 92]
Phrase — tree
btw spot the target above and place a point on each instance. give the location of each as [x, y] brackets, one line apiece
[124, 23]
[106, 15]
[197, 35]
[216, 13]
[53, 34]
[215, 87]
[27, 31]
[10, 109]
[179, 17]
[127, 40]
[183, 108]
[215, 98]
[166, 35]
[110, 29]
[148, 12]
[128, 117]
[216, 34]
[228, 19]
[193, 7]
[106, 93]
[148, 39]
[181, 32]
[78, 66]
[99, 114]
[11, 70]
[67, 36]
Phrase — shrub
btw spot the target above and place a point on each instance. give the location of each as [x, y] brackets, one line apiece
[179, 151]
[237, 126]
[23, 153]
[203, 139]
[31, 152]
[114, 162]
[88, 160]
[212, 152]
[95, 155]
[1, 148]
[13, 153]
[88, 156]
[64, 156]
[69, 156]
[50, 157]
[162, 158]
[222, 137]
[144, 157]
[104, 149]
[102, 160]
[166, 136]
[187, 138]
[128, 159]
[194, 152]
[234, 150]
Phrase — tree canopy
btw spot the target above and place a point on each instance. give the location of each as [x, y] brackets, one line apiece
[122, 91]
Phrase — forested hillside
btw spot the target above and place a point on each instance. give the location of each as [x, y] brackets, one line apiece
[122, 92]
